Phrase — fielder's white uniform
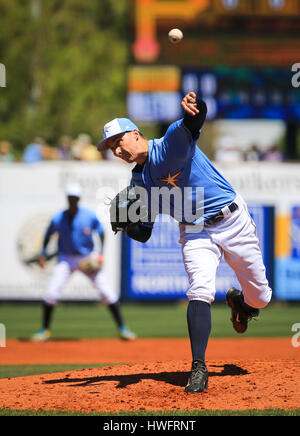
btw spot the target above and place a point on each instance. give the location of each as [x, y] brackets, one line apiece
[68, 264]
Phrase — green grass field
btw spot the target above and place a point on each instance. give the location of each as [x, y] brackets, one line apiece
[78, 321]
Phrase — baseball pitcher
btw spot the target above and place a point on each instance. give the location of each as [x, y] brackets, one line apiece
[223, 225]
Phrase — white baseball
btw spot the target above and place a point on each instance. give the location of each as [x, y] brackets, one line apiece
[175, 36]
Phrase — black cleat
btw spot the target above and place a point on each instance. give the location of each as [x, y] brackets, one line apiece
[198, 380]
[241, 313]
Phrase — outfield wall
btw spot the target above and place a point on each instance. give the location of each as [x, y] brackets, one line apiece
[31, 193]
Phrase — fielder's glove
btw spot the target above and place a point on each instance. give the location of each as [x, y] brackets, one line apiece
[91, 264]
[127, 209]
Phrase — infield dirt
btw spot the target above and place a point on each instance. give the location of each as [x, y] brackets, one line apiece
[244, 374]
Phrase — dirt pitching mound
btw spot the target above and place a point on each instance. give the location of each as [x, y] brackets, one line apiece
[234, 385]
[243, 374]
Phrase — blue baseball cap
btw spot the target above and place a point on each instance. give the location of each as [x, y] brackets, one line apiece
[113, 128]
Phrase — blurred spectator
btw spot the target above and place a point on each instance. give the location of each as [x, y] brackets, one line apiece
[34, 151]
[83, 149]
[5, 152]
[228, 152]
[38, 151]
[49, 153]
[65, 148]
[253, 154]
[273, 155]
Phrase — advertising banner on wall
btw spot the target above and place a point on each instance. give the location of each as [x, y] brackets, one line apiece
[287, 264]
[155, 270]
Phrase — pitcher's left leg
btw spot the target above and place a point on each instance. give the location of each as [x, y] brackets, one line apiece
[242, 252]
[245, 258]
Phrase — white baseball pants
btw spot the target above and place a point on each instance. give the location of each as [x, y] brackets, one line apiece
[236, 238]
[65, 266]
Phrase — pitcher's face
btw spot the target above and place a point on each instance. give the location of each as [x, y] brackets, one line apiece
[126, 146]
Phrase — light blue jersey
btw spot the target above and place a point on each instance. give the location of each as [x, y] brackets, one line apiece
[175, 161]
[75, 236]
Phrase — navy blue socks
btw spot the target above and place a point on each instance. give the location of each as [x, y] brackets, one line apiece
[199, 324]
[47, 315]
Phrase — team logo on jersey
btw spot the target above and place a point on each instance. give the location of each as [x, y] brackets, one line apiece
[172, 180]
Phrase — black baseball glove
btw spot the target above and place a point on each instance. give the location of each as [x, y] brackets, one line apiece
[127, 209]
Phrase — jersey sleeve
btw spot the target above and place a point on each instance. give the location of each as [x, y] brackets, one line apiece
[184, 133]
[195, 122]
[177, 141]
[51, 229]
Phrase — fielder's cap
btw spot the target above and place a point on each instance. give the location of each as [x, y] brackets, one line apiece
[73, 190]
[113, 128]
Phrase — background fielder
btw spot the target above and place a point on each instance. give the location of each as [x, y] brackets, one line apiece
[225, 226]
[76, 227]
